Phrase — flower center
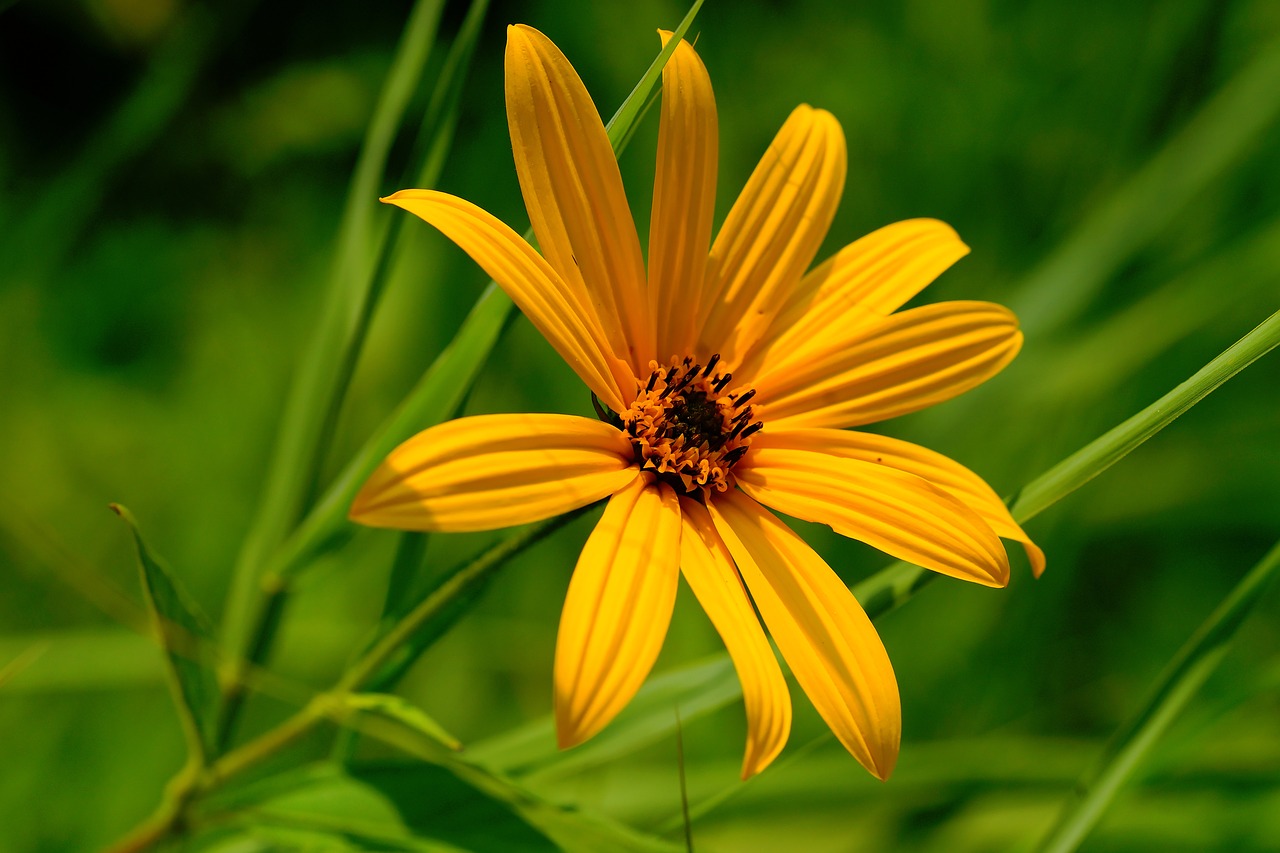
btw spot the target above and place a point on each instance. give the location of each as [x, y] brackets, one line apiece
[688, 427]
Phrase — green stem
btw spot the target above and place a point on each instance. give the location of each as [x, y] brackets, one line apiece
[192, 783]
[896, 583]
[459, 584]
[321, 378]
[1181, 679]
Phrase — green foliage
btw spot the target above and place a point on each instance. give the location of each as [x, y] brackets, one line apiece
[188, 222]
[186, 635]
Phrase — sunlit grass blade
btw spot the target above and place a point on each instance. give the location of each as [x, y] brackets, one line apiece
[319, 375]
[327, 362]
[384, 664]
[448, 379]
[1179, 682]
[185, 633]
[1100, 454]
[1215, 138]
[892, 586]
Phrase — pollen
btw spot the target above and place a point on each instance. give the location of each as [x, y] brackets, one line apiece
[689, 425]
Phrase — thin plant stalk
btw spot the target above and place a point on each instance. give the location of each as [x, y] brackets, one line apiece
[893, 585]
[1180, 681]
[320, 379]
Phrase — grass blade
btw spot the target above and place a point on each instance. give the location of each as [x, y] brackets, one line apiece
[1183, 676]
[697, 689]
[450, 377]
[319, 378]
[403, 712]
[185, 635]
[892, 586]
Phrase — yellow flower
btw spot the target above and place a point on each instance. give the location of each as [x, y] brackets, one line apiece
[725, 381]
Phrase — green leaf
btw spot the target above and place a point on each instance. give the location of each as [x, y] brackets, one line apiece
[401, 711]
[320, 382]
[395, 805]
[696, 689]
[434, 801]
[892, 586]
[449, 379]
[187, 639]
[628, 116]
[1175, 687]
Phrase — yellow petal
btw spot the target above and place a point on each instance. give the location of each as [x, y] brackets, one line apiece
[708, 567]
[863, 282]
[492, 471]
[617, 610]
[684, 198]
[819, 627]
[906, 362]
[899, 513]
[532, 285]
[943, 472]
[573, 191]
[773, 231]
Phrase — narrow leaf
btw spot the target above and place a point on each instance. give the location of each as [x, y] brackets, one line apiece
[1179, 682]
[403, 712]
[450, 377]
[892, 586]
[186, 637]
[320, 378]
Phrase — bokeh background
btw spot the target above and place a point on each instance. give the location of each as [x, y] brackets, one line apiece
[171, 180]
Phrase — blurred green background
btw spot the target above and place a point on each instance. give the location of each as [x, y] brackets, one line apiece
[171, 181]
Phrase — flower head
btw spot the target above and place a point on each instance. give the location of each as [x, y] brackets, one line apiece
[724, 381]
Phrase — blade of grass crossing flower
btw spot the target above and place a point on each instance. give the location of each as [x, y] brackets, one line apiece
[628, 116]
[431, 148]
[1217, 137]
[895, 584]
[186, 637]
[1179, 682]
[320, 378]
[449, 377]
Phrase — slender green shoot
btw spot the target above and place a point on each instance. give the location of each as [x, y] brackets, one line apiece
[1175, 687]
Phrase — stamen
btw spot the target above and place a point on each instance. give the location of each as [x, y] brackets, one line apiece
[686, 430]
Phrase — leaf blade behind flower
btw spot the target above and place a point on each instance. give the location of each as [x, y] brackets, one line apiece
[186, 635]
